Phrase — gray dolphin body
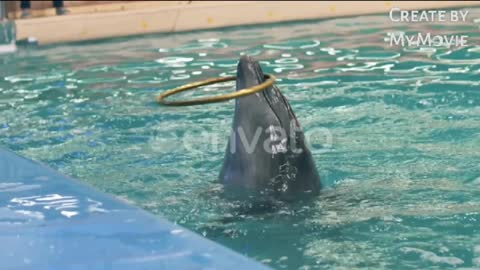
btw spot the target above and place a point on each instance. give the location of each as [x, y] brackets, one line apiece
[266, 154]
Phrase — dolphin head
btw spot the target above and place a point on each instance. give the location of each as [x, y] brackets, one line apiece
[266, 153]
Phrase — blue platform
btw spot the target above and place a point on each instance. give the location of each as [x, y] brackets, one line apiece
[49, 221]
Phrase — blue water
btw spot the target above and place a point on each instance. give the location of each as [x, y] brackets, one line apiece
[394, 131]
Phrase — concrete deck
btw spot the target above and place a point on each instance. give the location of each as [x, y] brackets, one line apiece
[136, 18]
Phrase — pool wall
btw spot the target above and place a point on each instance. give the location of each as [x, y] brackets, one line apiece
[136, 18]
[50, 221]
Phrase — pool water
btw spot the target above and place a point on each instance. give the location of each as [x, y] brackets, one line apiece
[394, 131]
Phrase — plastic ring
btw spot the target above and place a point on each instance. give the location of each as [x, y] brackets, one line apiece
[270, 79]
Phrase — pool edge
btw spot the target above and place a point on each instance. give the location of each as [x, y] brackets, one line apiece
[201, 15]
[38, 224]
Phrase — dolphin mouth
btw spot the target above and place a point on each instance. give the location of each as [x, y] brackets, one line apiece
[249, 73]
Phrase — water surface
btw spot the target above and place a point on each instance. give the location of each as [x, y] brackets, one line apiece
[397, 135]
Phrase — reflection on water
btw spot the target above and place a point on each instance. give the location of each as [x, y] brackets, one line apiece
[401, 170]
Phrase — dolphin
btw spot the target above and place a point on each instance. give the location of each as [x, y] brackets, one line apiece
[266, 154]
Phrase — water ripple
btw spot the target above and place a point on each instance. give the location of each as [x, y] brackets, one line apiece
[397, 145]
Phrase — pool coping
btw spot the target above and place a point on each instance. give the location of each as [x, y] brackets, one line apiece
[199, 15]
[51, 221]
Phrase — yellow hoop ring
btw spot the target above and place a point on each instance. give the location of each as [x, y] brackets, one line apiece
[244, 92]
